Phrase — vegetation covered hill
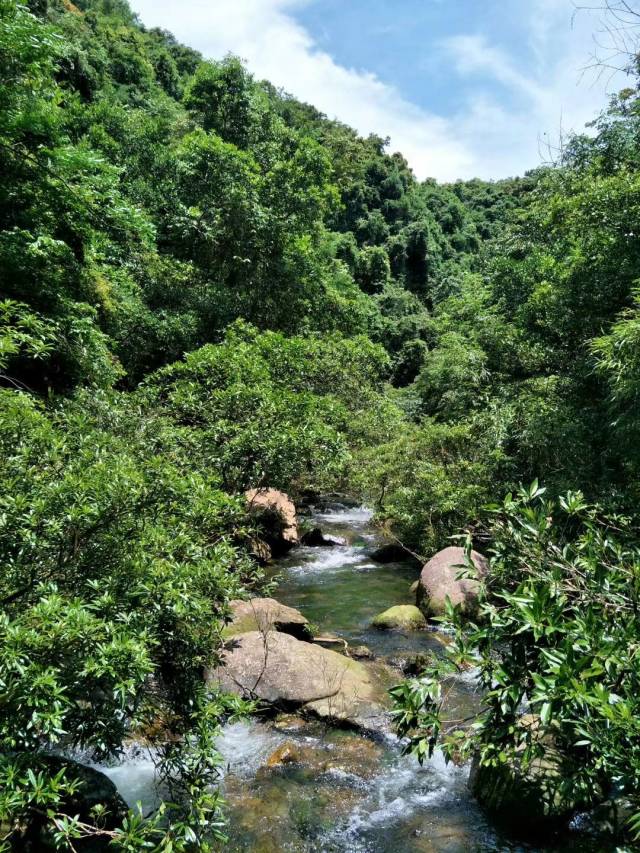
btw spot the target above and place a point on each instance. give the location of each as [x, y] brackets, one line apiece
[208, 286]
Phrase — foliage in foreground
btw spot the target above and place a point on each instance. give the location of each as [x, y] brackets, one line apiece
[123, 536]
[238, 263]
[117, 567]
[557, 637]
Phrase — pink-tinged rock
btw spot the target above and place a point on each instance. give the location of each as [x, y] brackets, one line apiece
[277, 515]
[439, 580]
[287, 673]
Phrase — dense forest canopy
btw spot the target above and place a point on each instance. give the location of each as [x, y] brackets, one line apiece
[207, 286]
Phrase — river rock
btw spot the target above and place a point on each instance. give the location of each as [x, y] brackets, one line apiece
[290, 723]
[531, 798]
[438, 580]
[287, 673]
[266, 614]
[609, 823]
[259, 550]
[317, 539]
[361, 653]
[277, 515]
[286, 753]
[336, 502]
[333, 641]
[402, 617]
[95, 789]
[392, 552]
[416, 664]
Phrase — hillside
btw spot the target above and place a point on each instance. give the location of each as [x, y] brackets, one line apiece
[207, 287]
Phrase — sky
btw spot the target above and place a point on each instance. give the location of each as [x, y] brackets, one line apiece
[463, 88]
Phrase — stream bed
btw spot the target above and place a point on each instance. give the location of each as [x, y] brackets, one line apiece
[344, 792]
[349, 793]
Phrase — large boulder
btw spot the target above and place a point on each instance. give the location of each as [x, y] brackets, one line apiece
[534, 797]
[277, 515]
[266, 614]
[94, 789]
[402, 617]
[439, 581]
[289, 674]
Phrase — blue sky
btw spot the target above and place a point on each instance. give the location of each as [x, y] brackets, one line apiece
[462, 87]
[403, 42]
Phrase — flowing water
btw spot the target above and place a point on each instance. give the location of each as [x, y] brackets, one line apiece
[344, 793]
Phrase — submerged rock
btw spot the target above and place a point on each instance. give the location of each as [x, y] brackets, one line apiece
[287, 673]
[317, 539]
[270, 818]
[402, 617]
[266, 614]
[439, 581]
[355, 756]
[286, 753]
[277, 515]
[339, 756]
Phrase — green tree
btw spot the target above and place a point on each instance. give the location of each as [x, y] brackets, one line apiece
[117, 567]
[556, 637]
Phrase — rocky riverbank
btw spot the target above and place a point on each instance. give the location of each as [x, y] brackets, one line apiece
[318, 768]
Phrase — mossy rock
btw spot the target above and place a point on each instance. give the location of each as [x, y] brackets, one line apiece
[531, 797]
[266, 614]
[402, 617]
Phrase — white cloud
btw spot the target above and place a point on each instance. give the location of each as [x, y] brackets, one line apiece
[553, 98]
[485, 138]
[472, 53]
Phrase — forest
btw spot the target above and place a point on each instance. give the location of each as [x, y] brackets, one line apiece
[206, 287]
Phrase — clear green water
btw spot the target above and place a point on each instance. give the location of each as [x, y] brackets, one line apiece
[346, 794]
[340, 589]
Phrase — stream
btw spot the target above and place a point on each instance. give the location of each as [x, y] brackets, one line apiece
[345, 793]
